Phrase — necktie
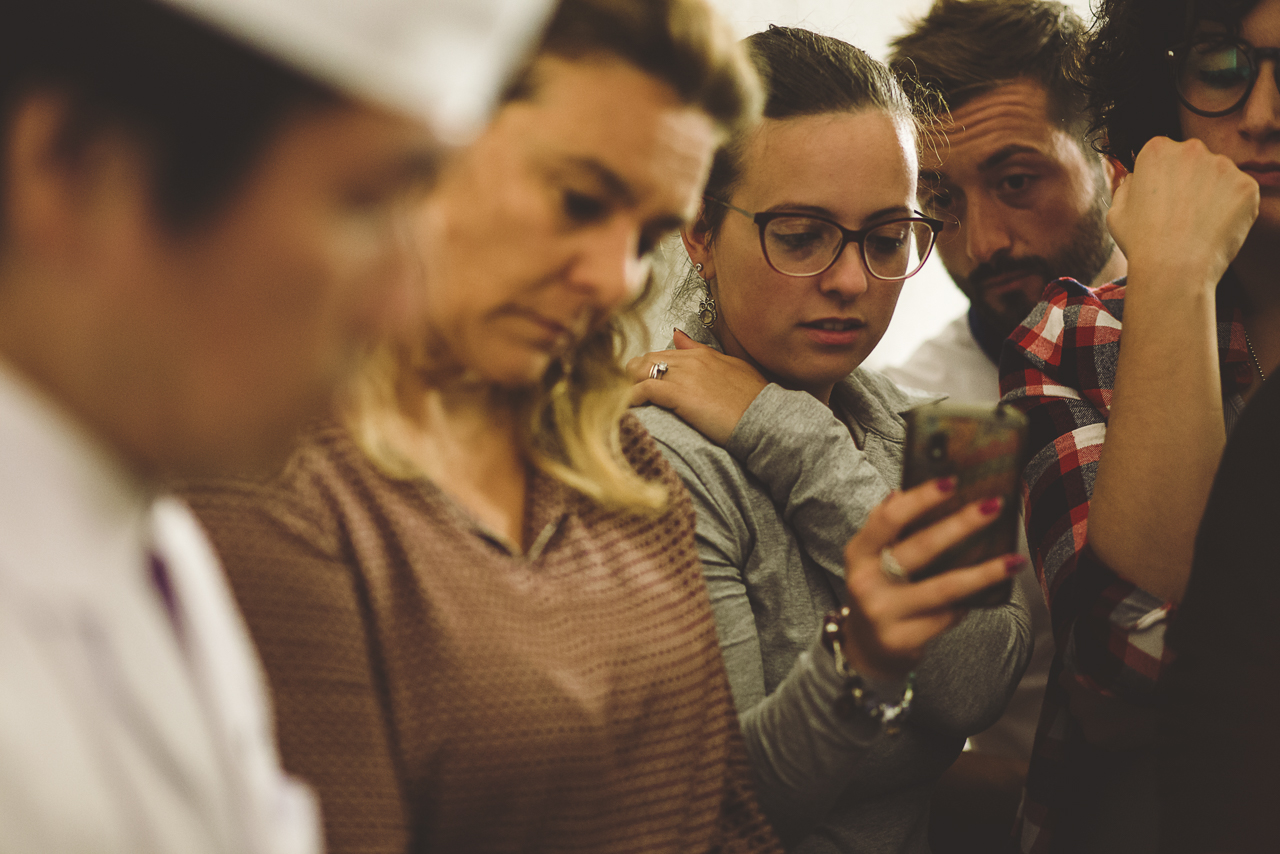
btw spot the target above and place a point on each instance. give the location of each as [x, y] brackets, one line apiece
[163, 581]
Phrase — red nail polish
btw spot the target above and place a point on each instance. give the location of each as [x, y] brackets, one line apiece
[1013, 564]
[991, 506]
[947, 484]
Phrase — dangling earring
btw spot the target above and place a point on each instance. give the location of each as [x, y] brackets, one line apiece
[707, 307]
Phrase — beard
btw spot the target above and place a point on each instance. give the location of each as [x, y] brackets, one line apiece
[1082, 258]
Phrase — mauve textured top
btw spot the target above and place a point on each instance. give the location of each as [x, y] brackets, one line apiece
[442, 693]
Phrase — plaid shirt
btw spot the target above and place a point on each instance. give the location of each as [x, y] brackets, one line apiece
[1059, 368]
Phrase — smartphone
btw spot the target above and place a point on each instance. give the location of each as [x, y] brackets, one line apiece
[985, 449]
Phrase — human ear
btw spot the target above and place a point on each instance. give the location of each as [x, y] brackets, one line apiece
[54, 197]
[36, 186]
[1114, 171]
[697, 242]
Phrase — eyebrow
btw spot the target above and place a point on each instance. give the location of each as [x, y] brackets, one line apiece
[893, 210]
[1007, 152]
[613, 183]
[617, 187]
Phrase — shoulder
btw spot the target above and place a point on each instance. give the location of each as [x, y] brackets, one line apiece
[304, 500]
[880, 387]
[1070, 314]
[877, 402]
[707, 469]
[1072, 338]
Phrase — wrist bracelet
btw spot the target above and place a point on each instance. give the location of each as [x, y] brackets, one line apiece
[856, 697]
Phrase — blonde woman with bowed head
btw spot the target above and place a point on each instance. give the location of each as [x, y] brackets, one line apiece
[790, 449]
[475, 590]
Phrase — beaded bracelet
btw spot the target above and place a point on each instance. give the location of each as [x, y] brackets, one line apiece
[857, 697]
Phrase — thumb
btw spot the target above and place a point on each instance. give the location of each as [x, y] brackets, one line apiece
[684, 342]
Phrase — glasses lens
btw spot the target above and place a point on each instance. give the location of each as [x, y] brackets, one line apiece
[1214, 76]
[799, 246]
[897, 250]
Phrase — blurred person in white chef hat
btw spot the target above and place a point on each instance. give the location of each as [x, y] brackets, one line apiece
[201, 207]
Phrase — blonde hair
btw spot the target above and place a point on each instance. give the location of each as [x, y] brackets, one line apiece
[569, 422]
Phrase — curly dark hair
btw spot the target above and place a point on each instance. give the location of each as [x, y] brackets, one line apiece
[1125, 70]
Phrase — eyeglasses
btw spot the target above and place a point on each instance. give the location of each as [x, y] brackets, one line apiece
[1214, 76]
[805, 245]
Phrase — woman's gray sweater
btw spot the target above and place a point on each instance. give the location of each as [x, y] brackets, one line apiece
[776, 506]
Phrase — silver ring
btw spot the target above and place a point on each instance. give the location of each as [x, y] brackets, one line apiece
[891, 568]
[657, 370]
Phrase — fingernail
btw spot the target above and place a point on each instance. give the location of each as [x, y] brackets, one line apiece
[678, 331]
[947, 484]
[1013, 564]
[991, 506]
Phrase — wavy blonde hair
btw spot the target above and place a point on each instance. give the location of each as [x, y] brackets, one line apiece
[570, 421]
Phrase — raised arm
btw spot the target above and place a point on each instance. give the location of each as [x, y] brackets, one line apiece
[1180, 219]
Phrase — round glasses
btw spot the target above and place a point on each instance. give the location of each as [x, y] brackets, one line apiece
[1214, 76]
[807, 245]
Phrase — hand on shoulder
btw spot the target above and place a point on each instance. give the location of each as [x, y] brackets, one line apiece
[707, 389]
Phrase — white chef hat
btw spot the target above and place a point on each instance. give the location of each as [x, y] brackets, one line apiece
[440, 60]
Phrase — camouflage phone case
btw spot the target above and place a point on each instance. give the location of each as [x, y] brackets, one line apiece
[985, 448]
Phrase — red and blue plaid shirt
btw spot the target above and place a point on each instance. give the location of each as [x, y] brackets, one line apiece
[1059, 368]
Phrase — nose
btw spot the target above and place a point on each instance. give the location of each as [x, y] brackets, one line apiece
[607, 268]
[1260, 116]
[847, 278]
[985, 229]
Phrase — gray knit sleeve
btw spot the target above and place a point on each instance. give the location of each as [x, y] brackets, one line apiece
[824, 486]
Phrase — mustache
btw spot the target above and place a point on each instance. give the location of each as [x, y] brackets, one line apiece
[1003, 265]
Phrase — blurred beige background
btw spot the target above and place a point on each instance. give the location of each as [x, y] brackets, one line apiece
[929, 300]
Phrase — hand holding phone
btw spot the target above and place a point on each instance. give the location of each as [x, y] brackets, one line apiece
[984, 448]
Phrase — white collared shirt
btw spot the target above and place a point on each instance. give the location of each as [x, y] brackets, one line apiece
[120, 732]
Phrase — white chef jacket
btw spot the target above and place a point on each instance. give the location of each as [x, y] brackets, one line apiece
[953, 363]
[121, 733]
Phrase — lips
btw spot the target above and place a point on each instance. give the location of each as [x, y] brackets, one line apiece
[1266, 174]
[834, 331]
[835, 324]
[550, 332]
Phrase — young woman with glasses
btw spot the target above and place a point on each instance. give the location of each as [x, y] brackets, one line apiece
[1127, 437]
[789, 448]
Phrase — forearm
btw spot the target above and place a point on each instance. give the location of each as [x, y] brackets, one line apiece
[1164, 437]
[821, 482]
[969, 674]
[802, 752]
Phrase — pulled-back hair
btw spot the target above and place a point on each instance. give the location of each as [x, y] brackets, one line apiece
[202, 104]
[570, 420]
[807, 74]
[964, 48]
[1126, 68]
[679, 42]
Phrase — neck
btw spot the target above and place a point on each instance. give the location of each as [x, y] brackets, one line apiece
[63, 342]
[729, 343]
[466, 439]
[1116, 267]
